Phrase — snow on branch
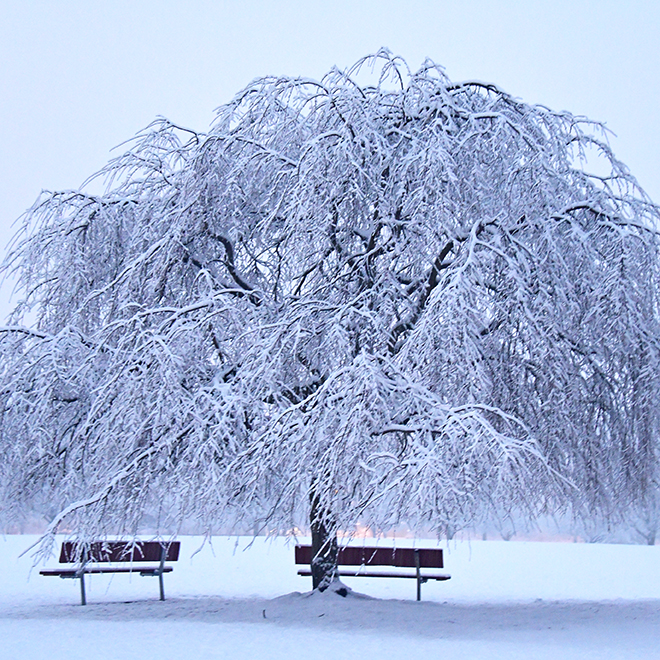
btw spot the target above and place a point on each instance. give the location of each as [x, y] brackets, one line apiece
[383, 297]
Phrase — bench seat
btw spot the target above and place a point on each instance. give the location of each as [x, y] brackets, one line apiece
[423, 578]
[75, 572]
[131, 554]
[362, 557]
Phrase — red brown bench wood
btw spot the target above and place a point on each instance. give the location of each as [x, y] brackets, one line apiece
[417, 558]
[87, 559]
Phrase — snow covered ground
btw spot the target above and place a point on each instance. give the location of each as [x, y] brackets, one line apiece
[505, 600]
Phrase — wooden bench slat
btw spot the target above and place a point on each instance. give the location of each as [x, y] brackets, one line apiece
[365, 556]
[118, 551]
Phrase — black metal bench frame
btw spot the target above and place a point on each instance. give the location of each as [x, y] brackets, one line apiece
[417, 558]
[88, 557]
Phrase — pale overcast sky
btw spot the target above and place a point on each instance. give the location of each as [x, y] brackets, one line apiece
[79, 77]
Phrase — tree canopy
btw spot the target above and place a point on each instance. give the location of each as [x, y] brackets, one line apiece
[400, 301]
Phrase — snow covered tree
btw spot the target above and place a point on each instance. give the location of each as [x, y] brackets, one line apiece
[398, 302]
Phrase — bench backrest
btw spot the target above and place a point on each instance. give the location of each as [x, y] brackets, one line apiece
[101, 552]
[400, 557]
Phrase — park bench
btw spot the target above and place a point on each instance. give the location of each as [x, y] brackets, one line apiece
[87, 559]
[417, 558]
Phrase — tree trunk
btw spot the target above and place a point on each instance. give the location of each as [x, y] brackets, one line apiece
[324, 544]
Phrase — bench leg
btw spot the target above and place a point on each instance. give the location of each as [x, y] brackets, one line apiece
[83, 597]
[163, 555]
[418, 576]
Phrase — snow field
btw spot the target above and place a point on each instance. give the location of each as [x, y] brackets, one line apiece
[505, 600]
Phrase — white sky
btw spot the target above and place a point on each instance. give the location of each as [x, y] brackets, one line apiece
[79, 77]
